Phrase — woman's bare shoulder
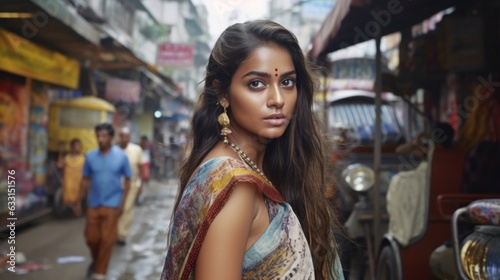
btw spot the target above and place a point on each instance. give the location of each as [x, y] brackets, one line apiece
[220, 151]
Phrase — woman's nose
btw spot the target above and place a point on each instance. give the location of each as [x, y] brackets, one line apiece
[275, 97]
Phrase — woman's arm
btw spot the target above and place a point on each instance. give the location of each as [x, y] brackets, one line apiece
[222, 252]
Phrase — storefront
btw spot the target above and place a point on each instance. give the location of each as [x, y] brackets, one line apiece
[28, 72]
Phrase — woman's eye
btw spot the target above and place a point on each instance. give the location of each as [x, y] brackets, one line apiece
[288, 82]
[256, 84]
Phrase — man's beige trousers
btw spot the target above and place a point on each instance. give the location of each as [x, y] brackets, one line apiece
[125, 220]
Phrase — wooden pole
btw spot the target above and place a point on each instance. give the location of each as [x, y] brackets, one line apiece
[377, 148]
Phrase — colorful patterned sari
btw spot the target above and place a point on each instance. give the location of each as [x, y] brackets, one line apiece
[281, 252]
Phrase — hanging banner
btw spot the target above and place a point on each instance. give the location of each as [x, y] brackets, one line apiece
[22, 57]
[122, 90]
[170, 54]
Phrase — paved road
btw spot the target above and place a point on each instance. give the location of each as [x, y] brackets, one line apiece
[140, 259]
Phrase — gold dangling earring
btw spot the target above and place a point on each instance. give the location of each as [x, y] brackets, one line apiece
[223, 120]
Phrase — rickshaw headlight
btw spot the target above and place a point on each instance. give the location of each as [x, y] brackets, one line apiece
[359, 177]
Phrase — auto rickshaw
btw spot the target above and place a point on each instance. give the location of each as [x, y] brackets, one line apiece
[76, 118]
[69, 119]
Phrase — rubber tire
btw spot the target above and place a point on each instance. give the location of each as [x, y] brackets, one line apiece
[387, 265]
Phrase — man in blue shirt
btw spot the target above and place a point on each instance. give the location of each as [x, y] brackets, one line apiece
[102, 175]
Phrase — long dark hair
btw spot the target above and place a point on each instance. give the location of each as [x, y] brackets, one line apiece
[297, 161]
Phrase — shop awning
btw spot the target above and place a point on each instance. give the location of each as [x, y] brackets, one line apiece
[24, 58]
[355, 21]
[53, 25]
[58, 26]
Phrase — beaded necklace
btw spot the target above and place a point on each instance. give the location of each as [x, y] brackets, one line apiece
[248, 161]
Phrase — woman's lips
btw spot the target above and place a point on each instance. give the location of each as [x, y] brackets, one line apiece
[276, 119]
[276, 122]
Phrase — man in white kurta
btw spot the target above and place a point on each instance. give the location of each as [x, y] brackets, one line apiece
[134, 154]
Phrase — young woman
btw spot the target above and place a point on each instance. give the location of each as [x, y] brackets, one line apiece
[252, 189]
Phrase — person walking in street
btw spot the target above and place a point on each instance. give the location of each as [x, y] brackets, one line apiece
[252, 201]
[72, 165]
[145, 168]
[134, 155]
[103, 171]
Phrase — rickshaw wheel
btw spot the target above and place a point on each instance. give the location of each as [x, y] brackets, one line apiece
[386, 265]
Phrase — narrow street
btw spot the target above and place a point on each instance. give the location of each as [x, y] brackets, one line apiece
[48, 241]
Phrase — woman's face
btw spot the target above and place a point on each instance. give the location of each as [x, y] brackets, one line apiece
[77, 147]
[263, 93]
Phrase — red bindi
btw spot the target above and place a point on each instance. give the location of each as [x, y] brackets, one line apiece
[276, 69]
